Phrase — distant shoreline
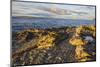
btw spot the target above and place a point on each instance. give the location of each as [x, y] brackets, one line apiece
[30, 17]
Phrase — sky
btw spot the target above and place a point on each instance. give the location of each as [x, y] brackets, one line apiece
[51, 10]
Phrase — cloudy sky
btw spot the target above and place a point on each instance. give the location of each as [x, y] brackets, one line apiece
[47, 10]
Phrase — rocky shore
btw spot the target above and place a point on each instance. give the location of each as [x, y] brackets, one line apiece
[56, 45]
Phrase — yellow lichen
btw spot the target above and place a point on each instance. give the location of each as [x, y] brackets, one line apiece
[80, 53]
[89, 29]
[46, 41]
[78, 30]
[84, 59]
[77, 41]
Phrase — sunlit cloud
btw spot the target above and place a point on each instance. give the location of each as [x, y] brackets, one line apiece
[45, 10]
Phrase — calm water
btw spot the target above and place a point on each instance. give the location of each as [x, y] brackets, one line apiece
[43, 23]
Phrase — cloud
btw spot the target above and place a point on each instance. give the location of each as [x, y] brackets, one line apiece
[52, 10]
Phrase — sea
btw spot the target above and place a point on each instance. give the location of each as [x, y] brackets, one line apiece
[22, 23]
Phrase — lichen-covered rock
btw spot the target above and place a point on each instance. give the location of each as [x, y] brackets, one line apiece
[56, 45]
